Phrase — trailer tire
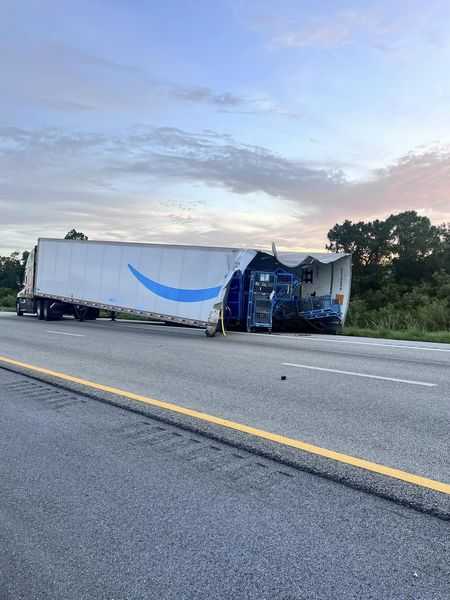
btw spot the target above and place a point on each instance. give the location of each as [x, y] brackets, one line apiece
[46, 312]
[19, 311]
[40, 309]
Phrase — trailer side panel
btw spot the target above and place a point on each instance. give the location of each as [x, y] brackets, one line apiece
[187, 283]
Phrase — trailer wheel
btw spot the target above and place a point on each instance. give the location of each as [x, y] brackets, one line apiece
[19, 311]
[40, 309]
[46, 312]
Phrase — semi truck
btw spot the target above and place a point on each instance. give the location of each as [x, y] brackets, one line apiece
[198, 286]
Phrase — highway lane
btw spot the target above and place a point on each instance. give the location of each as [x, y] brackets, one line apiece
[98, 502]
[402, 424]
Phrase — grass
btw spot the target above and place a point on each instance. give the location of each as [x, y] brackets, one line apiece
[400, 334]
[7, 309]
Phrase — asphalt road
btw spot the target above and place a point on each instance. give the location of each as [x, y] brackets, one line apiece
[384, 401]
[97, 502]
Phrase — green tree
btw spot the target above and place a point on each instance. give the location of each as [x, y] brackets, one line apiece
[73, 234]
[415, 245]
[401, 273]
[443, 255]
[371, 245]
[11, 271]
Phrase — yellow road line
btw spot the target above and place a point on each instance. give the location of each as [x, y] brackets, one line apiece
[424, 482]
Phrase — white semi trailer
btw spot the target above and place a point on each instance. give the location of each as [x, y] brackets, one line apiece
[180, 284]
[190, 285]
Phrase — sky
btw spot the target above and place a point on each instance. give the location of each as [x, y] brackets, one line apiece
[227, 123]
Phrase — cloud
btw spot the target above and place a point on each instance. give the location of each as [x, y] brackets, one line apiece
[379, 25]
[220, 161]
[340, 29]
[168, 154]
[416, 180]
[62, 78]
[124, 187]
[206, 95]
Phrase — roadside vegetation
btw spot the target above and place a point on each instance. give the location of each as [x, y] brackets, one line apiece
[11, 275]
[401, 277]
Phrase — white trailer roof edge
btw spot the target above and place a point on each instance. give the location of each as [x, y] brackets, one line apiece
[288, 259]
[150, 244]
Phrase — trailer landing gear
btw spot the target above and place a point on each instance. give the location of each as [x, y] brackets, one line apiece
[80, 312]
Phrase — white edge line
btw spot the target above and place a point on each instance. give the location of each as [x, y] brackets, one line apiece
[383, 345]
[65, 333]
[354, 374]
[309, 338]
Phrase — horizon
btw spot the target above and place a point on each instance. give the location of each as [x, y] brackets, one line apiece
[231, 125]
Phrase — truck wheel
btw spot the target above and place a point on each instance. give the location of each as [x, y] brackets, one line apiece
[40, 309]
[19, 311]
[46, 312]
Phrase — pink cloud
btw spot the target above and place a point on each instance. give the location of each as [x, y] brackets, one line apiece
[242, 195]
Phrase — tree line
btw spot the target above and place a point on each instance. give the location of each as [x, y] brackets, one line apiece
[401, 272]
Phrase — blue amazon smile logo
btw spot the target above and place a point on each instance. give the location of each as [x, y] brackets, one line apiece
[175, 294]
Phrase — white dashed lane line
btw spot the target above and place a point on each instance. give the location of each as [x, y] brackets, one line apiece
[367, 375]
[65, 333]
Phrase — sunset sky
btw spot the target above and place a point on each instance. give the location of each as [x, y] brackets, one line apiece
[233, 122]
